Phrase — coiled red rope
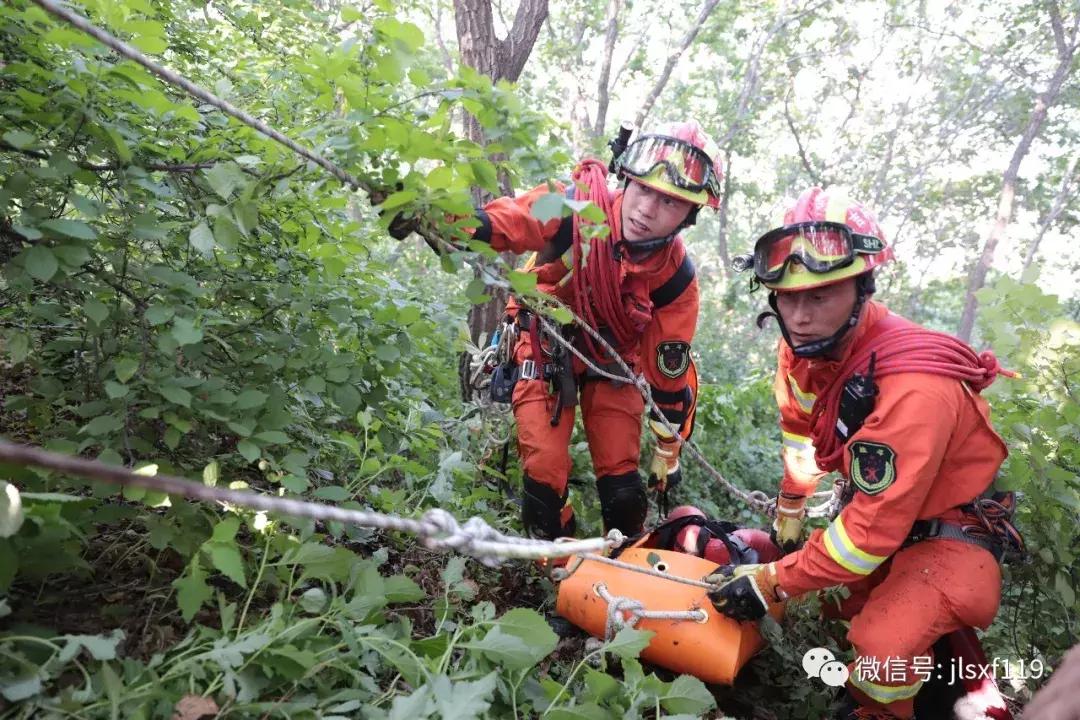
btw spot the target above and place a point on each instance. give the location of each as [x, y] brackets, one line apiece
[905, 349]
[596, 275]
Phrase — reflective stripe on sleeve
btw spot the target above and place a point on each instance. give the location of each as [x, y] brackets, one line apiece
[805, 399]
[845, 553]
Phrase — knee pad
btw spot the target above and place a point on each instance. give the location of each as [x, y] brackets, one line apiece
[623, 503]
[544, 512]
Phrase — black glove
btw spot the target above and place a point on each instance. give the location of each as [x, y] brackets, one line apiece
[401, 226]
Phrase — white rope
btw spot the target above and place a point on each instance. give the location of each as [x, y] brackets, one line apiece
[192, 89]
[618, 605]
[439, 529]
[563, 573]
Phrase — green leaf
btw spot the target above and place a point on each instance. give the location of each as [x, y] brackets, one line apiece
[463, 700]
[175, 395]
[225, 530]
[313, 601]
[211, 473]
[548, 207]
[250, 399]
[192, 590]
[227, 560]
[387, 353]
[68, 228]
[202, 239]
[11, 512]
[398, 199]
[115, 390]
[531, 627]
[273, 437]
[21, 688]
[333, 493]
[249, 450]
[686, 694]
[41, 263]
[628, 642]
[95, 310]
[102, 425]
[159, 314]
[185, 332]
[1064, 589]
[522, 282]
[125, 368]
[506, 650]
[100, 647]
[224, 178]
[415, 706]
[561, 315]
[476, 292]
[399, 588]
[19, 139]
[18, 347]
[581, 711]
[601, 686]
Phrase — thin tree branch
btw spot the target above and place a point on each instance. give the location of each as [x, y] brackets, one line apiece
[673, 59]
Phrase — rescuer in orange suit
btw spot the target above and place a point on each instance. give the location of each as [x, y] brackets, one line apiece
[896, 409]
[638, 289]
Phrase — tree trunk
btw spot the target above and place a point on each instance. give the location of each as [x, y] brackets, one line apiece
[1043, 103]
[500, 60]
[722, 235]
[604, 84]
[673, 59]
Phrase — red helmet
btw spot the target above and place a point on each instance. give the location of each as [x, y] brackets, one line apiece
[822, 238]
[677, 159]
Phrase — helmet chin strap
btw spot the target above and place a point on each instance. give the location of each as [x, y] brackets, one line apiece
[864, 288]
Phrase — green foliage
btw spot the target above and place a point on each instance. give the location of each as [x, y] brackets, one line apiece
[1038, 414]
[180, 294]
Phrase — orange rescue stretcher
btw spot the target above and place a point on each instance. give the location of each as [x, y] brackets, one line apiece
[713, 648]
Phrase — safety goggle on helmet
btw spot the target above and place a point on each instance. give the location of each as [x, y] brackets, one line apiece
[685, 166]
[820, 247]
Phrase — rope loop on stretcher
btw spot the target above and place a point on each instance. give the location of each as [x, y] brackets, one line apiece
[618, 604]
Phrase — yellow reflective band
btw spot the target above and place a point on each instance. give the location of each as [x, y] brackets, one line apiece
[836, 211]
[800, 443]
[845, 553]
[886, 693]
[659, 430]
[806, 400]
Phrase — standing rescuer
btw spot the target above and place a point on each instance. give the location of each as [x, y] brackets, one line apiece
[635, 284]
[895, 408]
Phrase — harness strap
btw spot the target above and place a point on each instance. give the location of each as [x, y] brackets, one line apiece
[931, 529]
[675, 285]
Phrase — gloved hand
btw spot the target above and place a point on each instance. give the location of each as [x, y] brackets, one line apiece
[745, 592]
[401, 225]
[787, 528]
[664, 470]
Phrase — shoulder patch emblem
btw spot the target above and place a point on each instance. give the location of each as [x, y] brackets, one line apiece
[873, 466]
[673, 357]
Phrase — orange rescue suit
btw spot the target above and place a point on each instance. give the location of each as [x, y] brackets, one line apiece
[925, 450]
[611, 411]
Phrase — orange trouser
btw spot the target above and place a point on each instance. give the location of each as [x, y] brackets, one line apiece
[899, 611]
[611, 414]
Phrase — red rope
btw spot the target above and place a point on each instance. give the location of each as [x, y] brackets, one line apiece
[908, 349]
[596, 279]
